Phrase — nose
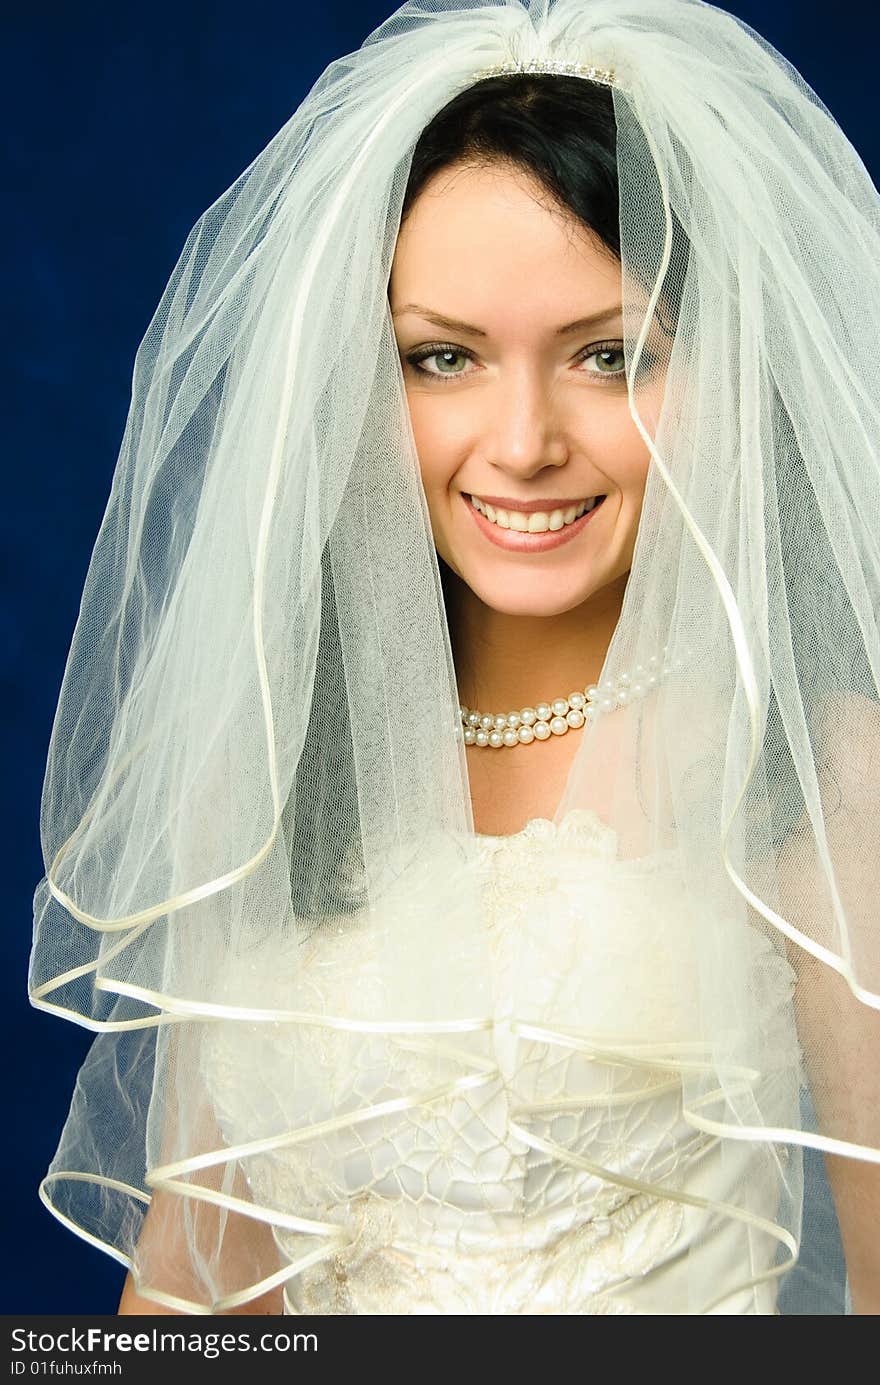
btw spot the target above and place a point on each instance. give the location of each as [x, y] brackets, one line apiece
[523, 430]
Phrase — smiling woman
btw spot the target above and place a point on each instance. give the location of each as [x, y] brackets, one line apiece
[521, 416]
[473, 888]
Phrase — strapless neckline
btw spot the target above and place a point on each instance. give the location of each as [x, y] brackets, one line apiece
[574, 821]
[581, 828]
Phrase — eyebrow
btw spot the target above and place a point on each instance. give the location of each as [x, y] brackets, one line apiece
[452, 324]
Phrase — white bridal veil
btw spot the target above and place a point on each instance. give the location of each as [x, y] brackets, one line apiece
[258, 742]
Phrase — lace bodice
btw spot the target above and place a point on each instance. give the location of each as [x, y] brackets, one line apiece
[571, 1181]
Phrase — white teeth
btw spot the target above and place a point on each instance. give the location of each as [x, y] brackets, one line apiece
[538, 522]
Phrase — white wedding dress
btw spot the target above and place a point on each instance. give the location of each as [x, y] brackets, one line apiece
[444, 1207]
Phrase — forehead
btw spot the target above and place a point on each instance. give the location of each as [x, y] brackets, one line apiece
[484, 229]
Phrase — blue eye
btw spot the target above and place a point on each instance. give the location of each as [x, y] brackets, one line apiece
[426, 353]
[615, 348]
[439, 350]
[611, 349]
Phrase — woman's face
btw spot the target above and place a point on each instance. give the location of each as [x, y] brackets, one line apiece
[524, 408]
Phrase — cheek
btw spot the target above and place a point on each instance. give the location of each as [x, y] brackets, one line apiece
[619, 449]
[650, 400]
[635, 464]
[435, 443]
[653, 394]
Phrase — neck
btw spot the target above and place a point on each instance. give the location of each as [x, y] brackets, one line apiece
[504, 662]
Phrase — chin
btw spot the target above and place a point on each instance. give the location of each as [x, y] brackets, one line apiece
[541, 600]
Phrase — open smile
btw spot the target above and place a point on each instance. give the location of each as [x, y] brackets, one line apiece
[516, 541]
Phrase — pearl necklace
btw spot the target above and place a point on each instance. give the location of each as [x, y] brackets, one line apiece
[565, 713]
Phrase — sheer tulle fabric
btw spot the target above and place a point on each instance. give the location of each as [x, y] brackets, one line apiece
[256, 818]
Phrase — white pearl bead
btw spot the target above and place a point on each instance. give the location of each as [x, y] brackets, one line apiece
[578, 709]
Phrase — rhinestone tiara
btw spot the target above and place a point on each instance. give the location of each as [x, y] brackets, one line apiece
[605, 75]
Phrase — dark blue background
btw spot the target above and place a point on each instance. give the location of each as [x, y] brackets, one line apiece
[121, 125]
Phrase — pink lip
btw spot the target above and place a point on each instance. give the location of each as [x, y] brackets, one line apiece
[516, 542]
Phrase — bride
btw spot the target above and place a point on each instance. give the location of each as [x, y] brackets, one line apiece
[473, 901]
